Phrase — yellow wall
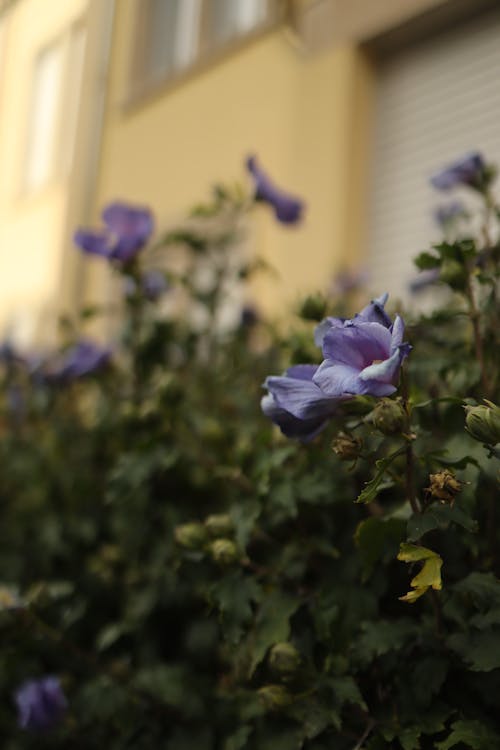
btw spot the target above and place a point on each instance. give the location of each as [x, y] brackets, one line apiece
[31, 225]
[295, 111]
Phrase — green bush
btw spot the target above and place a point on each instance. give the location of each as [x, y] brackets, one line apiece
[196, 580]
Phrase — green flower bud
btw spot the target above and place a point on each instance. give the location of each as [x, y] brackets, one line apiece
[224, 551]
[453, 273]
[191, 535]
[444, 486]
[389, 416]
[313, 307]
[275, 697]
[346, 447]
[483, 422]
[219, 524]
[284, 660]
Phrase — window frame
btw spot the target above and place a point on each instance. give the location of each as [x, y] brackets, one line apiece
[140, 86]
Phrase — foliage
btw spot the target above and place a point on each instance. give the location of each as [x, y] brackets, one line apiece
[195, 580]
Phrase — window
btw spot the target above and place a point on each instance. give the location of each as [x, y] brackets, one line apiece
[47, 86]
[54, 107]
[175, 34]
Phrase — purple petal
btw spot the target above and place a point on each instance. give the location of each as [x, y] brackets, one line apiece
[300, 398]
[322, 328]
[338, 380]
[287, 208]
[93, 242]
[131, 226]
[468, 170]
[398, 332]
[358, 344]
[302, 372]
[290, 426]
[383, 372]
[375, 313]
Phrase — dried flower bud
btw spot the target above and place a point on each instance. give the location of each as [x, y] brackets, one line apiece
[224, 551]
[483, 422]
[219, 524]
[444, 486]
[313, 307]
[284, 660]
[389, 416]
[347, 447]
[275, 697]
[191, 535]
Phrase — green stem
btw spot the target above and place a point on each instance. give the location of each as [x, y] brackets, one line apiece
[476, 328]
[410, 456]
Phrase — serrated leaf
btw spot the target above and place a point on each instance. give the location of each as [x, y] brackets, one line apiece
[272, 624]
[480, 650]
[347, 691]
[377, 539]
[234, 595]
[471, 733]
[373, 487]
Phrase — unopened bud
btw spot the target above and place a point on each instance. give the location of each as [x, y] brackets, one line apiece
[389, 416]
[444, 486]
[219, 524]
[191, 535]
[346, 447]
[483, 422]
[275, 697]
[284, 660]
[224, 551]
[313, 307]
[453, 273]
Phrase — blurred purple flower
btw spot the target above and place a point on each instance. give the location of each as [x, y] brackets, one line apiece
[41, 703]
[445, 214]
[154, 284]
[84, 358]
[287, 208]
[470, 170]
[126, 231]
[296, 404]
[249, 316]
[423, 280]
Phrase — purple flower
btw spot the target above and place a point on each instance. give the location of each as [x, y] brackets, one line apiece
[287, 208]
[363, 356]
[296, 404]
[126, 231]
[470, 170]
[84, 358]
[41, 703]
[154, 284]
[447, 213]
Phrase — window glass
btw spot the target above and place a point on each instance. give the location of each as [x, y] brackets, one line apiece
[229, 18]
[47, 82]
[171, 36]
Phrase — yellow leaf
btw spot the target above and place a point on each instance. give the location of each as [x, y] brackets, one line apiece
[430, 575]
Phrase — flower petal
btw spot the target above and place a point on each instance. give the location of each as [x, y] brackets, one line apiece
[290, 426]
[357, 344]
[93, 242]
[301, 398]
[338, 380]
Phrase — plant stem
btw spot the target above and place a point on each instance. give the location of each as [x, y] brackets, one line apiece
[478, 340]
[410, 457]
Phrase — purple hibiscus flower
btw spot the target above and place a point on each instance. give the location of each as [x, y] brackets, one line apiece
[287, 208]
[41, 703]
[363, 356]
[126, 231]
[84, 358]
[470, 170]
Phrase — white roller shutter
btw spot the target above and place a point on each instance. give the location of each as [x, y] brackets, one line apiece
[435, 101]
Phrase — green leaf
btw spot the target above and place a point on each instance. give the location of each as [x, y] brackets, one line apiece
[238, 740]
[234, 595]
[480, 650]
[378, 638]
[471, 733]
[373, 487]
[376, 539]
[347, 691]
[272, 624]
[425, 260]
[439, 516]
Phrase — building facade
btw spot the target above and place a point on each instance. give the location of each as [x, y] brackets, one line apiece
[151, 101]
